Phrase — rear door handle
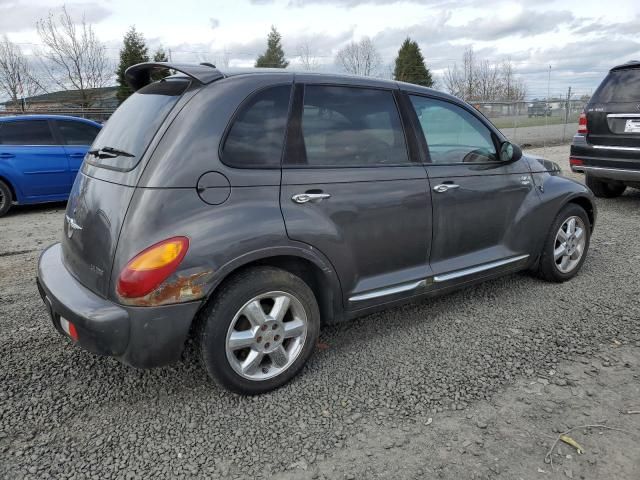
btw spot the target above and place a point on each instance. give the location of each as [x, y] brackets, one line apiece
[309, 197]
[443, 187]
[77, 155]
[7, 155]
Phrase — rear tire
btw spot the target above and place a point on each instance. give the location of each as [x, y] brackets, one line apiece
[5, 198]
[258, 331]
[604, 189]
[566, 246]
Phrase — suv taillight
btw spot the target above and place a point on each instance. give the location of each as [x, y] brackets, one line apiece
[582, 123]
[147, 270]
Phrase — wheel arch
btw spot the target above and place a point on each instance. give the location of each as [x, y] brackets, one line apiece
[309, 266]
[587, 204]
[14, 191]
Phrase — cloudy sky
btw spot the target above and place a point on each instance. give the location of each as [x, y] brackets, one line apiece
[579, 39]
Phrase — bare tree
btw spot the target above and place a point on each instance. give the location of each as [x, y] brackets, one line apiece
[307, 60]
[359, 58]
[16, 78]
[73, 56]
[477, 79]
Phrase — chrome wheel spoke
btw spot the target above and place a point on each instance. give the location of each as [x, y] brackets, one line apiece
[564, 262]
[294, 328]
[279, 357]
[562, 235]
[252, 362]
[559, 252]
[254, 313]
[240, 339]
[579, 233]
[280, 308]
[571, 226]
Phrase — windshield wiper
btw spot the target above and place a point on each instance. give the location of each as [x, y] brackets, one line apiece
[109, 152]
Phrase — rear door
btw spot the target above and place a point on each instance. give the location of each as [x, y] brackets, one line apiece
[351, 190]
[76, 137]
[38, 159]
[480, 203]
[613, 115]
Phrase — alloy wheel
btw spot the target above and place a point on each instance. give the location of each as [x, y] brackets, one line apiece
[266, 335]
[569, 244]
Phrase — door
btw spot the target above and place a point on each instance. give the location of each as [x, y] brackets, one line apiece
[76, 137]
[480, 204]
[351, 190]
[38, 160]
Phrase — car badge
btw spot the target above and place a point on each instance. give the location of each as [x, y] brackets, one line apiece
[72, 226]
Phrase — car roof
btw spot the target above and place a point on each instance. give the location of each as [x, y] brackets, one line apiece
[625, 66]
[29, 116]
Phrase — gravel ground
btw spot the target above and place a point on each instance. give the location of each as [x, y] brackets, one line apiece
[360, 408]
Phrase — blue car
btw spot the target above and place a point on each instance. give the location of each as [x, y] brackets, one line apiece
[40, 156]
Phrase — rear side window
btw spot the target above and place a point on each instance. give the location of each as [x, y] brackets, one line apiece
[351, 127]
[132, 126]
[77, 133]
[619, 86]
[26, 132]
[257, 134]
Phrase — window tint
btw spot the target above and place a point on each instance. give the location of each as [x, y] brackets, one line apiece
[619, 86]
[351, 127]
[26, 132]
[453, 134]
[77, 133]
[133, 125]
[257, 134]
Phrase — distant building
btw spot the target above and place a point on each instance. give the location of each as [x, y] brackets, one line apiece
[103, 98]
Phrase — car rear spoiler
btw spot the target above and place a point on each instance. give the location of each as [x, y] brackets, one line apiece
[137, 76]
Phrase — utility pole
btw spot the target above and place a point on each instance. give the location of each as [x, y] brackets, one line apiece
[566, 113]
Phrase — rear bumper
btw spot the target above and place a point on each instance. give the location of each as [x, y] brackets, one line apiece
[607, 162]
[139, 336]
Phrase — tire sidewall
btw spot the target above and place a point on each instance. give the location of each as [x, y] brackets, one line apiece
[6, 193]
[549, 265]
[224, 308]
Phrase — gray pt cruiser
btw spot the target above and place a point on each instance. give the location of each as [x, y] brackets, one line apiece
[246, 209]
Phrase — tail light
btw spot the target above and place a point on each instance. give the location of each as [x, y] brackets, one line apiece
[575, 162]
[582, 123]
[147, 270]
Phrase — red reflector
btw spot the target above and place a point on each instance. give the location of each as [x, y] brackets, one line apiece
[575, 162]
[69, 328]
[151, 267]
[582, 124]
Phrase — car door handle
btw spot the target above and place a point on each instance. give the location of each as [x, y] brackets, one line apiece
[443, 187]
[77, 155]
[309, 197]
[7, 155]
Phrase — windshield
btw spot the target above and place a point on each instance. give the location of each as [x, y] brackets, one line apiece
[620, 86]
[133, 125]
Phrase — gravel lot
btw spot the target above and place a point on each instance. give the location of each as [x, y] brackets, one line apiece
[542, 135]
[498, 368]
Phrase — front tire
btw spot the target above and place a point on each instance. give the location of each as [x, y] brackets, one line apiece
[565, 248]
[603, 189]
[5, 198]
[258, 331]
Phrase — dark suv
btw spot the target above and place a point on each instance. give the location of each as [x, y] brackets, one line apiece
[607, 146]
[245, 209]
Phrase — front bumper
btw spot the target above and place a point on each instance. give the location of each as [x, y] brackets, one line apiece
[139, 336]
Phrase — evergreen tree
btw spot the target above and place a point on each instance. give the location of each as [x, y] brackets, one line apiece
[410, 66]
[133, 51]
[160, 56]
[274, 56]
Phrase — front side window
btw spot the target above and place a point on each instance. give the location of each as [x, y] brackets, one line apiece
[77, 133]
[351, 127]
[26, 132]
[453, 135]
[256, 137]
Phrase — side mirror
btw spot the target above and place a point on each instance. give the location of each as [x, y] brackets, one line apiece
[510, 152]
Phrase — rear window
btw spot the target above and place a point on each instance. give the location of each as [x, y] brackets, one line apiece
[135, 122]
[619, 86]
[77, 133]
[26, 132]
